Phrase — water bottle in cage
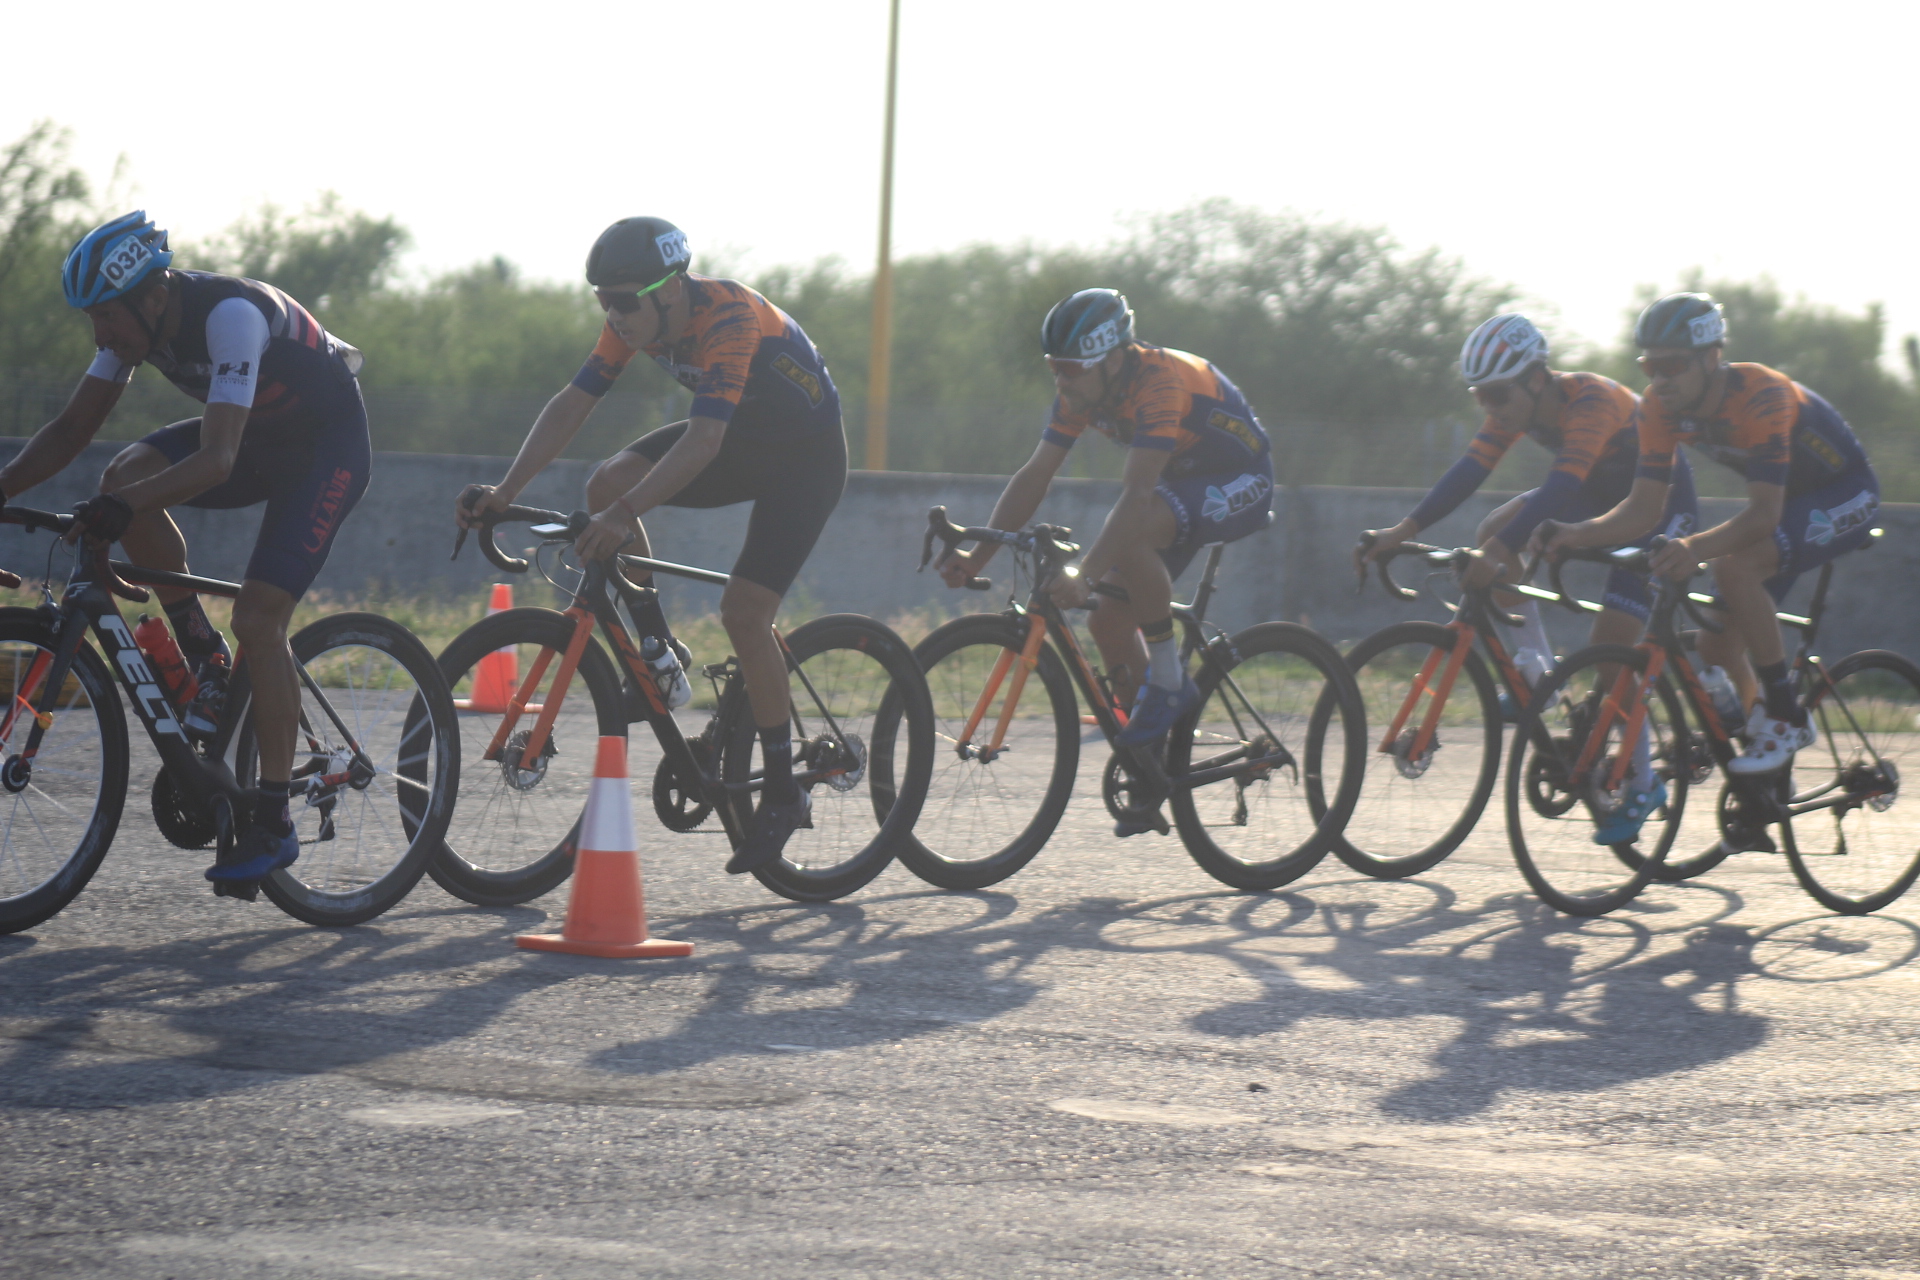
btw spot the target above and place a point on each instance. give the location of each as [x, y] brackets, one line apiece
[669, 677]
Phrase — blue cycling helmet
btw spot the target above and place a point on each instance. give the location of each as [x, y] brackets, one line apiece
[113, 258]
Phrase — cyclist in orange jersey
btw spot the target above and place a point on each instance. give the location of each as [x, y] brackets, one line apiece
[1811, 496]
[764, 428]
[1590, 424]
[1199, 470]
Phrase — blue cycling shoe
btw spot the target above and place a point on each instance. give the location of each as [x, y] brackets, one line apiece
[258, 853]
[1154, 711]
[1622, 826]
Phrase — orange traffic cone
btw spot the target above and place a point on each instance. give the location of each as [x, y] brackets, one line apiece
[497, 677]
[607, 912]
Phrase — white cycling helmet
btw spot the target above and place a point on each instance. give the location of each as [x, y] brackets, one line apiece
[1503, 347]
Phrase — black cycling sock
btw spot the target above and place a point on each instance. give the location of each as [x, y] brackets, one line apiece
[648, 619]
[776, 755]
[1777, 686]
[272, 811]
[194, 630]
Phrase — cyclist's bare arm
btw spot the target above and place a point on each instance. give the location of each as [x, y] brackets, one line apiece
[1637, 515]
[559, 422]
[1018, 503]
[58, 443]
[1131, 514]
[220, 429]
[1757, 520]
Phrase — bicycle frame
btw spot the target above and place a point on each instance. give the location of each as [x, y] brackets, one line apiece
[1045, 620]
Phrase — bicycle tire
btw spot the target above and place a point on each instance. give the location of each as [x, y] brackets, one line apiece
[513, 835]
[1288, 695]
[1674, 870]
[1876, 856]
[1559, 859]
[36, 883]
[861, 817]
[1410, 802]
[977, 810]
[400, 713]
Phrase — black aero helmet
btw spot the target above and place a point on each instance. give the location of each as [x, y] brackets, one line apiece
[1087, 326]
[1691, 320]
[641, 252]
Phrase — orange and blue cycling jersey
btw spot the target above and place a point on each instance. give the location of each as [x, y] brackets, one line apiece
[1769, 428]
[745, 360]
[1167, 399]
[1594, 442]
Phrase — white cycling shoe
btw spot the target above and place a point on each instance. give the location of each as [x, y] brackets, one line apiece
[1770, 745]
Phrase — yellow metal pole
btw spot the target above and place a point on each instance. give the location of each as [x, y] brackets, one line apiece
[880, 354]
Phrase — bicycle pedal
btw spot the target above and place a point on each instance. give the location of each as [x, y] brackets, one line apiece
[1125, 827]
[245, 890]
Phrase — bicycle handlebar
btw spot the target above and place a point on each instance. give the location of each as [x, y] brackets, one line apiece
[1048, 541]
[103, 572]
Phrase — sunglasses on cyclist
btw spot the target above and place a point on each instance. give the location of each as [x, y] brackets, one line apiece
[625, 301]
[1665, 366]
[1494, 394]
[1066, 367]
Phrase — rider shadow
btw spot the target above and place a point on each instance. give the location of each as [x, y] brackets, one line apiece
[1542, 1002]
[114, 1026]
[844, 974]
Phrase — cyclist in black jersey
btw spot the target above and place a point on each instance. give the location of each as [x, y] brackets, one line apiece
[283, 424]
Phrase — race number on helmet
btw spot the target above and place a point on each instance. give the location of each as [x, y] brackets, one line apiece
[1503, 347]
[1087, 326]
[638, 252]
[1690, 320]
[112, 258]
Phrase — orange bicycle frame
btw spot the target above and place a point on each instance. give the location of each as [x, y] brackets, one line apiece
[1422, 684]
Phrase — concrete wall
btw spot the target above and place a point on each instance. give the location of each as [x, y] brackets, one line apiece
[399, 538]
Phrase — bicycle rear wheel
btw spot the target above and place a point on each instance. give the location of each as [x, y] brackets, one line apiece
[1861, 854]
[1555, 806]
[381, 720]
[1255, 826]
[1414, 810]
[59, 813]
[513, 832]
[987, 815]
[875, 766]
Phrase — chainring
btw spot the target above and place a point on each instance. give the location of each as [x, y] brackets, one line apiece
[185, 824]
[677, 808]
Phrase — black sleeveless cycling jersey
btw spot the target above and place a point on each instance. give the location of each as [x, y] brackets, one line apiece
[306, 375]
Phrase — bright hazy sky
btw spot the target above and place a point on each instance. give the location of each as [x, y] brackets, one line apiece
[1574, 150]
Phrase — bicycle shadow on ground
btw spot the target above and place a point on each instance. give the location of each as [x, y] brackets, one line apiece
[83, 1026]
[1541, 1002]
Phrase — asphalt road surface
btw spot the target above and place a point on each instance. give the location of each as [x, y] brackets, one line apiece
[1108, 1066]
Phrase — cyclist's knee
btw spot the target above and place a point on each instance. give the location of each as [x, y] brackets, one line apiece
[136, 462]
[615, 476]
[261, 614]
[747, 608]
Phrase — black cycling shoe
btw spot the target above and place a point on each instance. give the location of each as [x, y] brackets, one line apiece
[772, 825]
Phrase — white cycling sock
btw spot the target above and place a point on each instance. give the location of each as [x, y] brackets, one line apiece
[1641, 777]
[1163, 660]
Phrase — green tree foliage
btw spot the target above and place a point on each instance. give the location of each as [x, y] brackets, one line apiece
[328, 257]
[43, 209]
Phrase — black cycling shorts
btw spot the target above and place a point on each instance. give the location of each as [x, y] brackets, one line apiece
[310, 478]
[794, 483]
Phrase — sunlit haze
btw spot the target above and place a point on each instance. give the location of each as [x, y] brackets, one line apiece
[1573, 150]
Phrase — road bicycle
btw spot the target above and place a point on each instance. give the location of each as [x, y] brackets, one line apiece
[516, 830]
[1435, 750]
[1248, 809]
[376, 764]
[1853, 847]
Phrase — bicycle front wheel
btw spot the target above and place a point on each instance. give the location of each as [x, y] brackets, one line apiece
[1416, 806]
[989, 810]
[1860, 850]
[869, 762]
[1560, 791]
[58, 812]
[1240, 797]
[376, 767]
[513, 833]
